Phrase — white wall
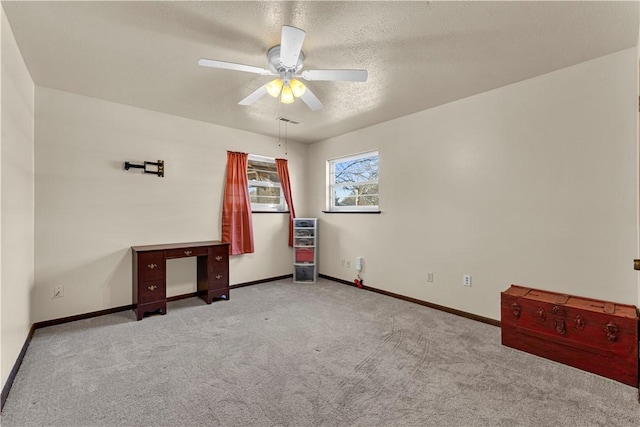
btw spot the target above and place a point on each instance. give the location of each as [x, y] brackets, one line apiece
[17, 205]
[3, 375]
[89, 211]
[534, 183]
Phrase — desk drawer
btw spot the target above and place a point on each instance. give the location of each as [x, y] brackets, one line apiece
[218, 280]
[219, 258]
[151, 291]
[185, 252]
[151, 266]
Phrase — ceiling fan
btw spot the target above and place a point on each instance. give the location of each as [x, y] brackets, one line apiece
[285, 62]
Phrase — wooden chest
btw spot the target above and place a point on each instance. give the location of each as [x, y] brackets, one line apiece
[592, 335]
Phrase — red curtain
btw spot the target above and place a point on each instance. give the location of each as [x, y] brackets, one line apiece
[285, 184]
[236, 207]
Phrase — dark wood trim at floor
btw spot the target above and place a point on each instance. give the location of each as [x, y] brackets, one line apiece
[179, 297]
[16, 366]
[62, 320]
[257, 282]
[417, 301]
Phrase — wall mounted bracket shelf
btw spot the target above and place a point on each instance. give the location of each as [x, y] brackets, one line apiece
[158, 171]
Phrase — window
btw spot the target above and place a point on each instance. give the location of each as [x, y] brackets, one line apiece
[353, 183]
[264, 185]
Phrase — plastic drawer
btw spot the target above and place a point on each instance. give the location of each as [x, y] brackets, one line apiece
[304, 255]
[304, 274]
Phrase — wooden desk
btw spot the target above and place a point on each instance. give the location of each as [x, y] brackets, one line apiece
[150, 272]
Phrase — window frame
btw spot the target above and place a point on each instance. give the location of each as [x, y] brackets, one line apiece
[331, 185]
[265, 207]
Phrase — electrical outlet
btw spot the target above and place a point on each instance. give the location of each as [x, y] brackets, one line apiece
[348, 263]
[466, 280]
[429, 277]
[58, 292]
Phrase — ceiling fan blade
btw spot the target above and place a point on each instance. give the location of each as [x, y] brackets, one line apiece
[290, 45]
[254, 96]
[311, 100]
[233, 66]
[336, 75]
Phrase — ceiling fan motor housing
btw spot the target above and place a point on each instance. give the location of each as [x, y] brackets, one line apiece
[284, 72]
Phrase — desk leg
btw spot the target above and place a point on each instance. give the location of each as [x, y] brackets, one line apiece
[160, 306]
[203, 279]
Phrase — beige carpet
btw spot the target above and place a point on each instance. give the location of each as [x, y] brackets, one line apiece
[284, 354]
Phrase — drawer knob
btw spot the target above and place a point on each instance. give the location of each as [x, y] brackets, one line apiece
[559, 326]
[559, 311]
[580, 323]
[516, 310]
[613, 332]
[541, 314]
[187, 253]
[218, 276]
[152, 266]
[218, 258]
[152, 287]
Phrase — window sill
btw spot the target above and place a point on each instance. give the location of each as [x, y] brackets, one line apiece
[352, 212]
[276, 212]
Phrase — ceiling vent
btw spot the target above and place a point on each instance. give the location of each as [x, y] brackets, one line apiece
[287, 120]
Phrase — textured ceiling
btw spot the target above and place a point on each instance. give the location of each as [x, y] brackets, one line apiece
[418, 54]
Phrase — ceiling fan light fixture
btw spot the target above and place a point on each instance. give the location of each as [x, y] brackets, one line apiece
[274, 87]
[297, 87]
[286, 60]
[286, 97]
